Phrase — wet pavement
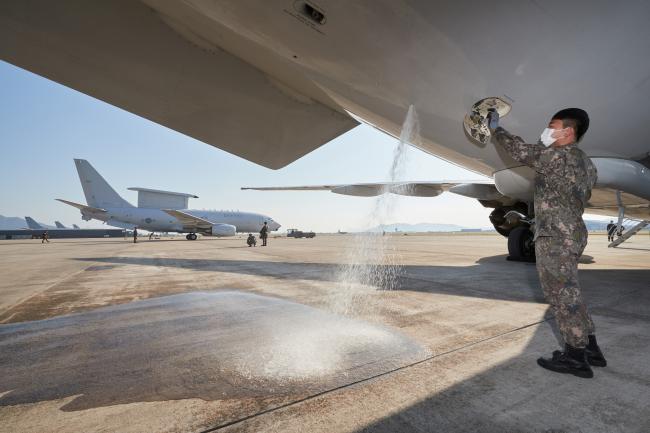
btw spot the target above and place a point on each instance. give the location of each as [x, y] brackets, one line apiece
[212, 346]
[172, 336]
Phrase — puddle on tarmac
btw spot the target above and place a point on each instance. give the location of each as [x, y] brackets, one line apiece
[211, 346]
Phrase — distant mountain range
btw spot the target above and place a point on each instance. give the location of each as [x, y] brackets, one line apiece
[602, 225]
[417, 228]
[11, 223]
[17, 223]
[435, 227]
[596, 225]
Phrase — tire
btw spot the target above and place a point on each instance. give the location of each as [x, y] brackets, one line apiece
[521, 247]
[497, 218]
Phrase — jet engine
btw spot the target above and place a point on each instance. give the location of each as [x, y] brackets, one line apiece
[222, 230]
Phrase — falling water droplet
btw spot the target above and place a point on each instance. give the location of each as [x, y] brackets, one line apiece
[373, 261]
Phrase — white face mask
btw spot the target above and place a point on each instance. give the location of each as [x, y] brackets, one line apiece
[547, 137]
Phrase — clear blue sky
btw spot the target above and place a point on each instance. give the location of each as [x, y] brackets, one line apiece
[45, 125]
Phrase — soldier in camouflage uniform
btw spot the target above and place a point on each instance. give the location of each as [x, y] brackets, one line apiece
[564, 177]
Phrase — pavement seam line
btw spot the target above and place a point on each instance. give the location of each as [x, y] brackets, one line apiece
[57, 282]
[368, 379]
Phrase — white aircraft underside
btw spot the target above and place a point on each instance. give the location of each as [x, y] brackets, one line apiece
[273, 80]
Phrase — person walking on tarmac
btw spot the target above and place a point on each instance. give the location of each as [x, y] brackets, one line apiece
[264, 233]
[564, 177]
[45, 237]
[135, 235]
[610, 230]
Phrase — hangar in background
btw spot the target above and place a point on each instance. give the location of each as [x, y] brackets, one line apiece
[61, 233]
[36, 230]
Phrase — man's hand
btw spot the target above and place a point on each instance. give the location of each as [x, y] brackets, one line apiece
[492, 119]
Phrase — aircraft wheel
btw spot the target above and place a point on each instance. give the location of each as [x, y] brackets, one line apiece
[521, 246]
[497, 219]
[193, 236]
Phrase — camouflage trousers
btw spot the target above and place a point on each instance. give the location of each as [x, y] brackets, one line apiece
[557, 265]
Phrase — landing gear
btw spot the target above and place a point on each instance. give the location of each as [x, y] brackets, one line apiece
[521, 246]
[501, 223]
[191, 236]
[514, 223]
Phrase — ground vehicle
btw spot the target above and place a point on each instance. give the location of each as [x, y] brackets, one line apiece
[295, 233]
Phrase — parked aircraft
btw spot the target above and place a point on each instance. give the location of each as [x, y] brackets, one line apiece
[32, 224]
[158, 211]
[36, 230]
[304, 72]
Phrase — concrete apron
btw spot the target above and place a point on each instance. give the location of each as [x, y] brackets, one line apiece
[212, 346]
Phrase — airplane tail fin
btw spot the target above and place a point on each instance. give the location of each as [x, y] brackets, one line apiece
[59, 225]
[33, 224]
[74, 226]
[98, 192]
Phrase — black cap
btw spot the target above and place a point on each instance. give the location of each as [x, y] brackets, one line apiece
[578, 115]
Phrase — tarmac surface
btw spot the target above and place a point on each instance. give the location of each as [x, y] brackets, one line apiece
[172, 335]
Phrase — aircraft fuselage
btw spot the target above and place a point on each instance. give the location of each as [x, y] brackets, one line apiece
[375, 59]
[159, 221]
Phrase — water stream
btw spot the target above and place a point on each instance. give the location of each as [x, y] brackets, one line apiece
[372, 260]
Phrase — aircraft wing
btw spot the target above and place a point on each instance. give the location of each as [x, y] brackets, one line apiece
[481, 190]
[188, 220]
[143, 61]
[81, 206]
[604, 202]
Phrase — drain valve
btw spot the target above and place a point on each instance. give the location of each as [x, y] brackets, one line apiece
[475, 121]
[310, 11]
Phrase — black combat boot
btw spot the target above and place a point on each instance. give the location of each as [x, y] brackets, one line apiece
[571, 361]
[593, 353]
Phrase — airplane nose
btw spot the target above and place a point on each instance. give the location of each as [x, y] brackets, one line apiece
[275, 226]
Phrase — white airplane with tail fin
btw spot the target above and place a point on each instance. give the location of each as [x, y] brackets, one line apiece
[159, 211]
[32, 224]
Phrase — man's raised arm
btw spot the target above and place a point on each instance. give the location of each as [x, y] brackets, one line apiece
[516, 147]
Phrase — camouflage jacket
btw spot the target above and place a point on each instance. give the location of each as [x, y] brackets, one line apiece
[564, 178]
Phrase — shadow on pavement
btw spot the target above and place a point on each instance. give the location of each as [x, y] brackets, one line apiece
[489, 278]
[187, 346]
[517, 396]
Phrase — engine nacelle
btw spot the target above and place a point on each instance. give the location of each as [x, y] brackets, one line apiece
[223, 230]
